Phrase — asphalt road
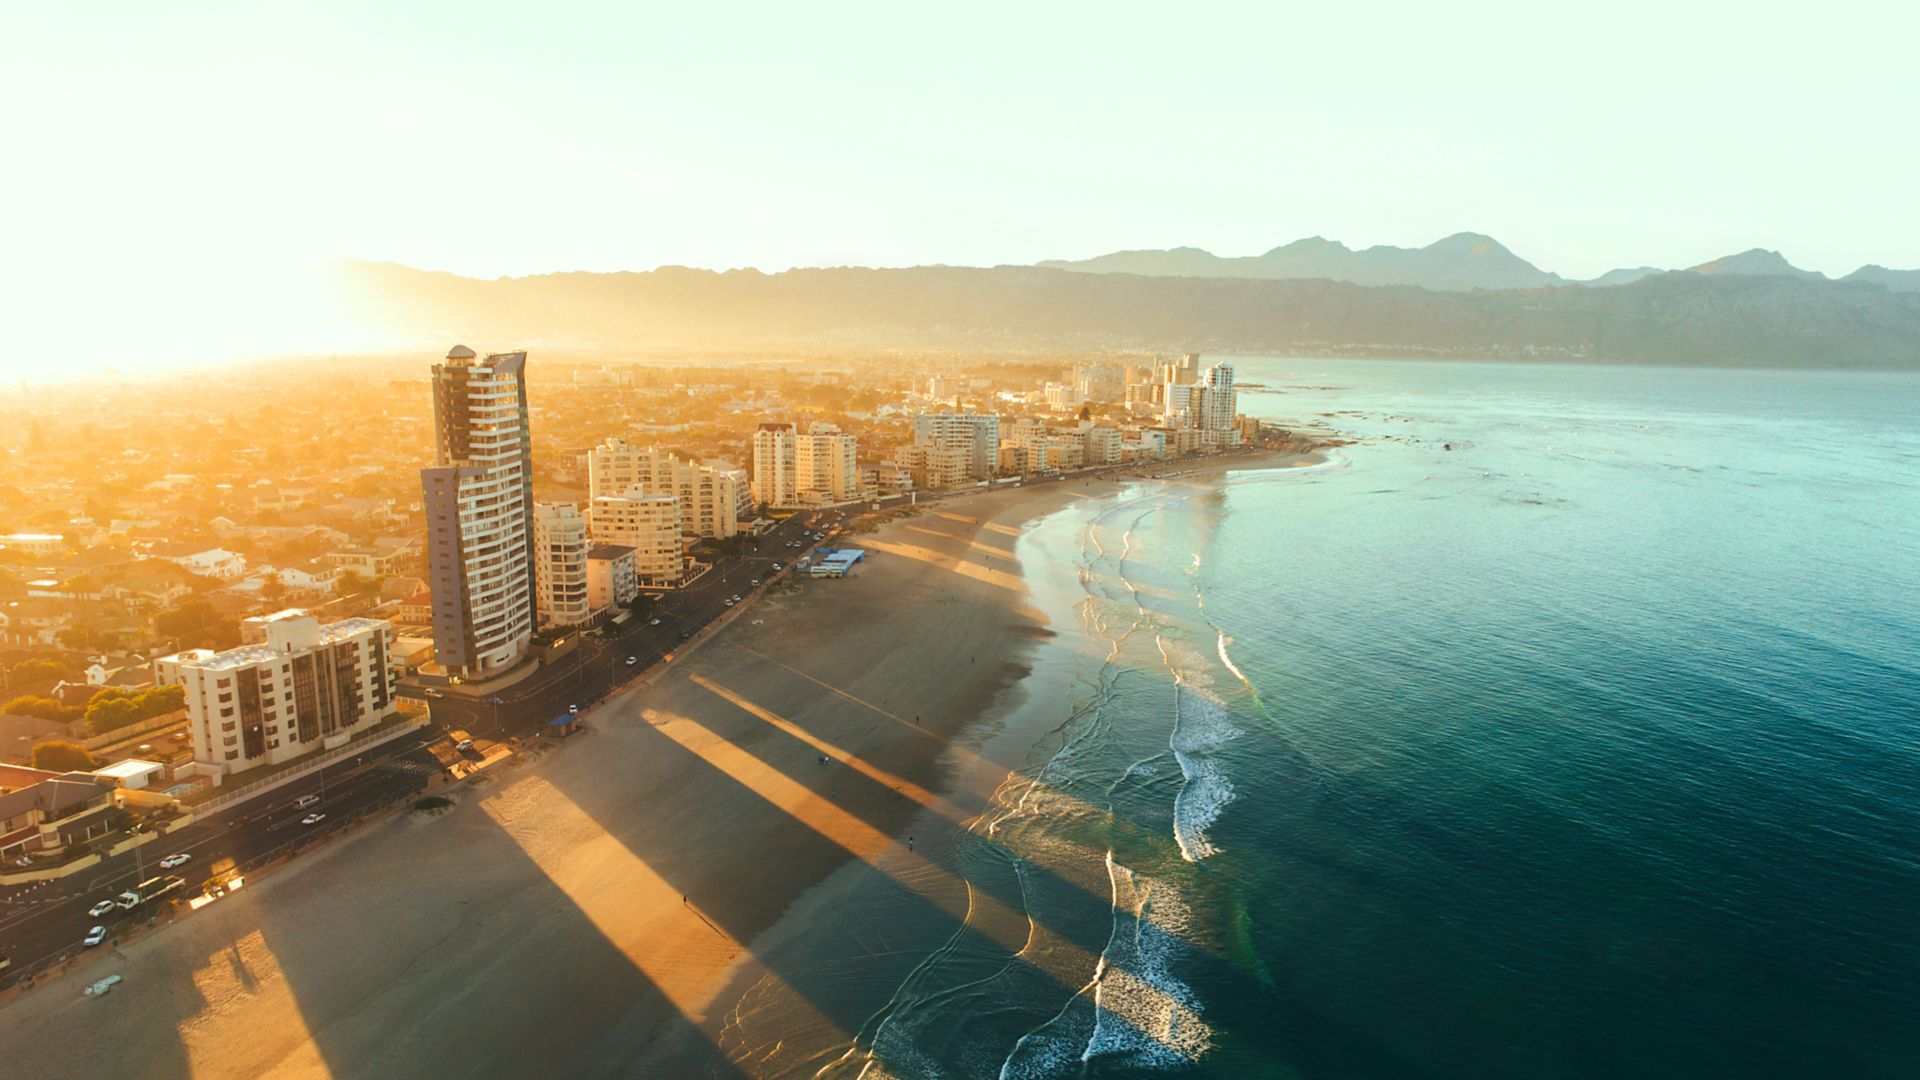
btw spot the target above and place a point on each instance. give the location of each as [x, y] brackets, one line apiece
[599, 664]
[44, 920]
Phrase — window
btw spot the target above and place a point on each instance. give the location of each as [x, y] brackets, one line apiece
[232, 755]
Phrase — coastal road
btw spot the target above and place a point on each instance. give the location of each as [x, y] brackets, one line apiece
[39, 921]
[598, 663]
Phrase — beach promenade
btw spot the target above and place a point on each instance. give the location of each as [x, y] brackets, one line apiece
[596, 911]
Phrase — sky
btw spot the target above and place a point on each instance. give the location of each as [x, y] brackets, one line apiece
[179, 173]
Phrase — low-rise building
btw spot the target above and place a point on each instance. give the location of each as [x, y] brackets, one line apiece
[34, 543]
[613, 576]
[51, 812]
[217, 563]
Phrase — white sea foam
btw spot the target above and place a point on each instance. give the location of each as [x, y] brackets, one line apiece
[1228, 661]
[1143, 1013]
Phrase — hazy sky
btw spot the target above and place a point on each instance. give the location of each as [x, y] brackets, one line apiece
[152, 146]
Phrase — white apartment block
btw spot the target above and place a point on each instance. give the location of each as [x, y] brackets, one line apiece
[560, 564]
[649, 524]
[773, 471]
[710, 495]
[978, 432]
[935, 465]
[302, 686]
[478, 499]
[1101, 444]
[791, 468]
[613, 576]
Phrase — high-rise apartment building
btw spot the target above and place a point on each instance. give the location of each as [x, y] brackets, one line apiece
[773, 472]
[560, 564]
[478, 497]
[301, 686]
[709, 495]
[649, 524]
[977, 432]
[792, 468]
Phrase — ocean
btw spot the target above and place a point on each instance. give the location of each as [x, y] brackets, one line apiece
[1566, 724]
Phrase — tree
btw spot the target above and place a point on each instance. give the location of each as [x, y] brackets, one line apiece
[37, 675]
[61, 755]
[350, 582]
[114, 708]
[1086, 412]
[196, 625]
[45, 708]
[272, 587]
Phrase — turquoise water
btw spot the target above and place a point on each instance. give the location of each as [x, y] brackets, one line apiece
[1588, 747]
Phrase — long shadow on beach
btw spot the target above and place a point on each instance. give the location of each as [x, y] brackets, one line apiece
[517, 980]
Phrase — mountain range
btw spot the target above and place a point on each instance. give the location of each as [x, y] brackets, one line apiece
[1459, 262]
[1717, 315]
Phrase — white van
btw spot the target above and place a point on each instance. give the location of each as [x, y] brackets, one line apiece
[305, 801]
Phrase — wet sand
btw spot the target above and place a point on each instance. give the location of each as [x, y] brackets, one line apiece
[600, 911]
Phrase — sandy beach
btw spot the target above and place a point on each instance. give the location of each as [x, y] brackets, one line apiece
[604, 909]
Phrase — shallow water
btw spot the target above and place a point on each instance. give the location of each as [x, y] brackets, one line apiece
[1589, 746]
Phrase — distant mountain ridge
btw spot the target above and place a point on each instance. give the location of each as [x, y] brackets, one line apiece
[1461, 262]
[1681, 318]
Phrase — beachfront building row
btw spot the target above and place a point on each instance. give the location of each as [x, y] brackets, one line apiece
[582, 578]
[649, 525]
[478, 503]
[811, 468]
[712, 497]
[977, 434]
[298, 685]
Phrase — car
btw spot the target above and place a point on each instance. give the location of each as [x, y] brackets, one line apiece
[181, 736]
[313, 819]
[101, 908]
[730, 603]
[776, 566]
[755, 583]
[685, 634]
[463, 744]
[573, 709]
[305, 801]
[172, 861]
[653, 622]
[431, 692]
[95, 936]
[632, 660]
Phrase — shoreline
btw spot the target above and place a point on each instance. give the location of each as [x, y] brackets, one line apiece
[605, 905]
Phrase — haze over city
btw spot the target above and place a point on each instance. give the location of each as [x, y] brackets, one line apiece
[192, 168]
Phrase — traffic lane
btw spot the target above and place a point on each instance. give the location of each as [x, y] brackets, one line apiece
[216, 844]
[216, 850]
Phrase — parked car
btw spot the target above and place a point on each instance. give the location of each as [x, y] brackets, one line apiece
[653, 622]
[575, 709]
[632, 660]
[101, 908]
[685, 634]
[313, 819]
[95, 936]
[172, 861]
[755, 583]
[463, 745]
[729, 603]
